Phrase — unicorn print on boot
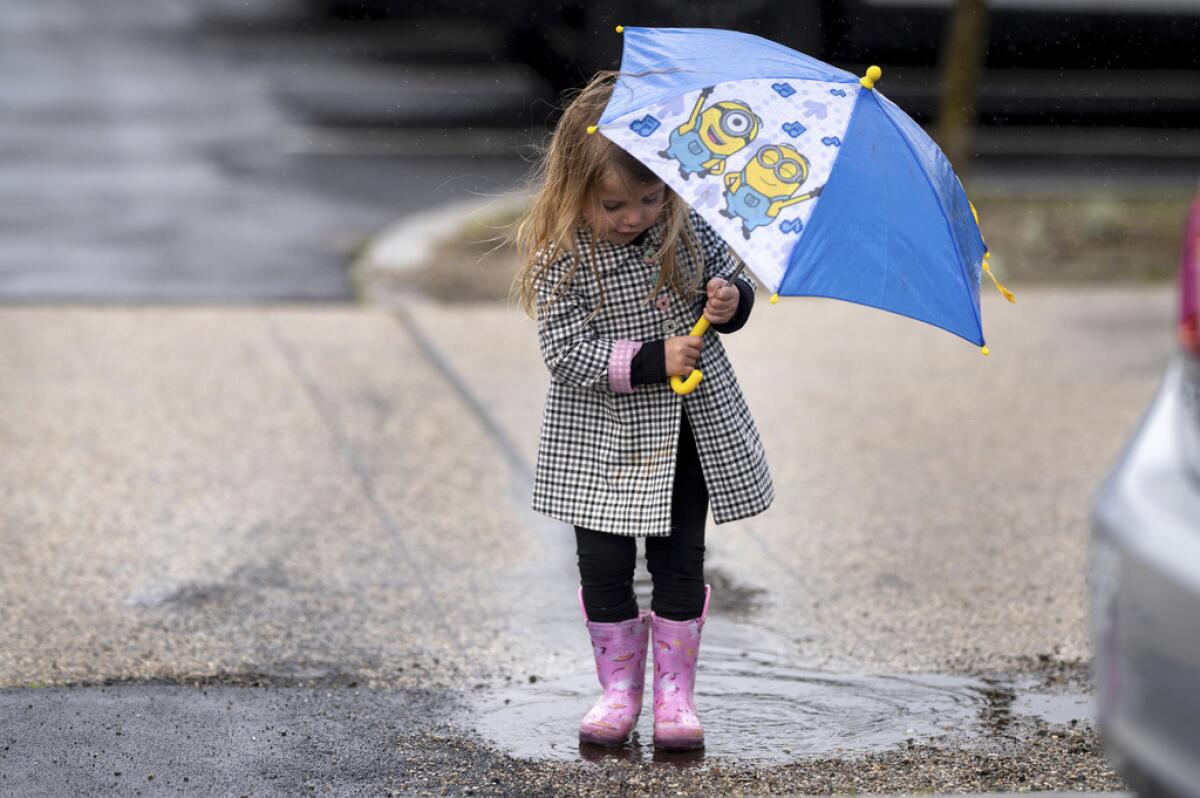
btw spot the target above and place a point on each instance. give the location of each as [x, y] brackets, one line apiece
[620, 653]
[676, 650]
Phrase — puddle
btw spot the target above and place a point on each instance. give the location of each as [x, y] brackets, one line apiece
[1068, 709]
[757, 709]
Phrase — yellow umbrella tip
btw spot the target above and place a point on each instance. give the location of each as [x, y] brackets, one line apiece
[774, 299]
[591, 129]
[868, 80]
[983, 350]
[620, 29]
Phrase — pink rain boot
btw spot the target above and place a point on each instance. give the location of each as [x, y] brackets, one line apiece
[620, 651]
[676, 648]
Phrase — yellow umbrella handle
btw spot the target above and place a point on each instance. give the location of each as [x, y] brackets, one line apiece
[684, 387]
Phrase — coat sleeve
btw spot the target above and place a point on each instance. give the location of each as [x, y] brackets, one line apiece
[574, 354]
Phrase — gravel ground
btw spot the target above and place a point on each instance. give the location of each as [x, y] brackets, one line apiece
[1055, 760]
[1037, 757]
[1023, 754]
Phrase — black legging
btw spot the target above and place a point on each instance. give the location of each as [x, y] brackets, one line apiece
[675, 562]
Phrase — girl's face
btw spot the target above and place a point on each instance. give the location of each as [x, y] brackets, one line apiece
[626, 207]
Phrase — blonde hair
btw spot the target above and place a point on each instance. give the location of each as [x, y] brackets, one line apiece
[565, 185]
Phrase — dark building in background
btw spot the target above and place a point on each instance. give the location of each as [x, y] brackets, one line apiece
[1090, 42]
[1070, 86]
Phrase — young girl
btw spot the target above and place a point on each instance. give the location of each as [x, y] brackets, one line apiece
[617, 269]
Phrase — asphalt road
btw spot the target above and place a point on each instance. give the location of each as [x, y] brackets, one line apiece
[144, 162]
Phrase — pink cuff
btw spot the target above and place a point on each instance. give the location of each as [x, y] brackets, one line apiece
[619, 363]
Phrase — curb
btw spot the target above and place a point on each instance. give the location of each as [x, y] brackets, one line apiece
[409, 243]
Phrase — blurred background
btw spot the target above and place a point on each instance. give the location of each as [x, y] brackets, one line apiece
[246, 150]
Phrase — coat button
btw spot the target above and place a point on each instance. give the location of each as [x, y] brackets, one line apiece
[670, 327]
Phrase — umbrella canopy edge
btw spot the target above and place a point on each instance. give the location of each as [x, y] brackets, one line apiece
[657, 63]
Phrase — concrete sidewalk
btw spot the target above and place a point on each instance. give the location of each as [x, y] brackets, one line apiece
[912, 474]
[201, 493]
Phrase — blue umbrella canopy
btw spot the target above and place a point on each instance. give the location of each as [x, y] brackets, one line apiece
[816, 180]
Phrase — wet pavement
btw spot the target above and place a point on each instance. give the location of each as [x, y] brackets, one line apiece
[213, 740]
[335, 498]
[350, 740]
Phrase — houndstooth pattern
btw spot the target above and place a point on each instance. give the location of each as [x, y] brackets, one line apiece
[606, 460]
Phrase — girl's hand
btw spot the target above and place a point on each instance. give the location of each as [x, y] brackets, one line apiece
[682, 352]
[722, 301]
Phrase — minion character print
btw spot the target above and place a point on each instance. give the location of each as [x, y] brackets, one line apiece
[710, 135]
[766, 185]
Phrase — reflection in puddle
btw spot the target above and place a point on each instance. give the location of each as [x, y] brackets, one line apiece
[756, 709]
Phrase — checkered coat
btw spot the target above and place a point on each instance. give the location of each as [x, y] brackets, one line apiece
[606, 453]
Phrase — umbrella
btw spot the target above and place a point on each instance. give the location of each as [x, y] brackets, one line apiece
[817, 181]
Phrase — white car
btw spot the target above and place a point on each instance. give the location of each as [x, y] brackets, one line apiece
[1145, 574]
